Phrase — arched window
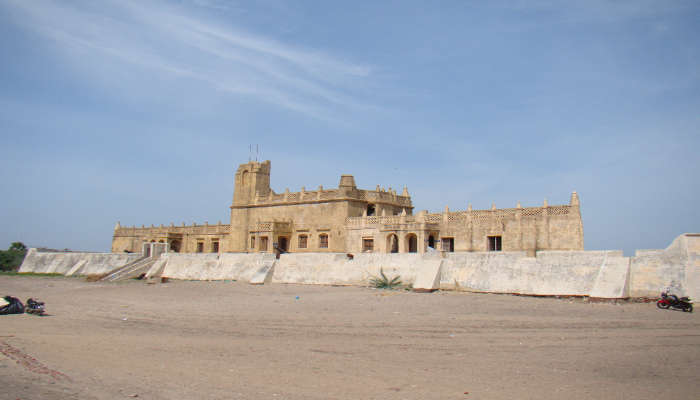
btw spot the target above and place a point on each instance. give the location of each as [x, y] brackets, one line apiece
[412, 243]
[392, 243]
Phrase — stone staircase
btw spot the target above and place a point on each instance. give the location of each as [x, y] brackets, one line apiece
[130, 270]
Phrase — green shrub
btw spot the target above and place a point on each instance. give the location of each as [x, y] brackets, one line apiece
[383, 282]
[12, 258]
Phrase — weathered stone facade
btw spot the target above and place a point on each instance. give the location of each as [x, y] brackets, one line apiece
[352, 220]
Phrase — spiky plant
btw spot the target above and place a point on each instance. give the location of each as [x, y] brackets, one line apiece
[383, 282]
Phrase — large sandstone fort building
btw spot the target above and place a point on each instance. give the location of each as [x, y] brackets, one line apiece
[352, 220]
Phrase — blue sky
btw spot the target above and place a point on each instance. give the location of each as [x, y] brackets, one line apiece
[140, 111]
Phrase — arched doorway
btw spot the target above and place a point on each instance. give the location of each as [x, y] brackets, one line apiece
[412, 243]
[392, 243]
[282, 246]
[175, 246]
[431, 241]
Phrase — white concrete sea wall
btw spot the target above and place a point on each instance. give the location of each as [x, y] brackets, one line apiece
[601, 274]
[613, 278]
[225, 266]
[74, 263]
[675, 267]
[157, 268]
[481, 271]
[692, 271]
[428, 277]
[338, 269]
[565, 273]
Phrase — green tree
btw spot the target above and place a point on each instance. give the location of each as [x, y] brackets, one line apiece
[12, 258]
[19, 246]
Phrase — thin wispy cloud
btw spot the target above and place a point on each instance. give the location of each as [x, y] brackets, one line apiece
[462, 102]
[598, 10]
[160, 38]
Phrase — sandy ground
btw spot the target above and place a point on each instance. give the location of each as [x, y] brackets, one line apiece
[230, 340]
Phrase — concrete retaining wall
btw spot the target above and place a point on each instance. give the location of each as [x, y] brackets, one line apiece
[676, 267]
[337, 269]
[74, 263]
[234, 266]
[692, 270]
[613, 278]
[572, 273]
[603, 274]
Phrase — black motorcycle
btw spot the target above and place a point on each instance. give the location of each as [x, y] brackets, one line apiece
[672, 301]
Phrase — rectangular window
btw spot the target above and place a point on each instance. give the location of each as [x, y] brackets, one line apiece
[263, 243]
[323, 241]
[367, 245]
[200, 247]
[494, 243]
[215, 246]
[252, 242]
[303, 241]
[448, 244]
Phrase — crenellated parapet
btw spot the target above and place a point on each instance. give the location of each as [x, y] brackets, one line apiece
[482, 216]
[461, 217]
[183, 238]
[325, 195]
[252, 190]
[193, 229]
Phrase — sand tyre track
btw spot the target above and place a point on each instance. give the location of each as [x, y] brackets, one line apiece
[30, 363]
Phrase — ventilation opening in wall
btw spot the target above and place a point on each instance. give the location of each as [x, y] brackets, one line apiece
[371, 210]
[367, 245]
[494, 243]
[448, 244]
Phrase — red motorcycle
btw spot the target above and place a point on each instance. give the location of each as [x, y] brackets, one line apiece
[672, 301]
